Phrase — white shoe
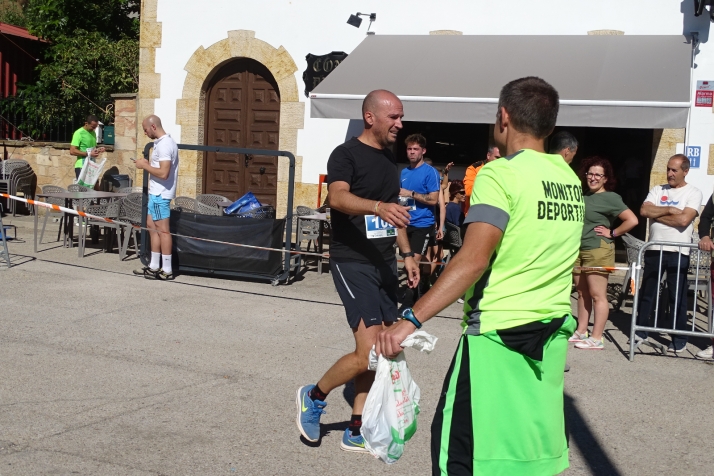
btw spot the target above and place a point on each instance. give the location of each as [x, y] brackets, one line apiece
[706, 353]
[460, 301]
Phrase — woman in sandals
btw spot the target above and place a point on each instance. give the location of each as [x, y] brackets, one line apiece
[597, 248]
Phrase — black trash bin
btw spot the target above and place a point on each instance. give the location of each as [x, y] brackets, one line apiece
[112, 183]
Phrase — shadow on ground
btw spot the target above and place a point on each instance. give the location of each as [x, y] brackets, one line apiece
[589, 445]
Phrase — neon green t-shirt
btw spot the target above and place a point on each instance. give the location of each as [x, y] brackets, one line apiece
[536, 200]
[83, 140]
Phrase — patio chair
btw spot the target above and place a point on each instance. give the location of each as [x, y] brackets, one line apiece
[130, 214]
[79, 204]
[186, 204]
[49, 211]
[15, 174]
[302, 211]
[107, 210]
[308, 229]
[204, 209]
[24, 183]
[130, 190]
[700, 281]
[210, 199]
[632, 247]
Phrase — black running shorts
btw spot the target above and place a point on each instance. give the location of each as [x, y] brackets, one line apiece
[420, 238]
[368, 292]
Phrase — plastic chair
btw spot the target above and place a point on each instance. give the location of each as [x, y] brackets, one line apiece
[107, 210]
[302, 211]
[130, 214]
[16, 174]
[187, 204]
[632, 247]
[210, 199]
[701, 280]
[204, 209]
[48, 211]
[130, 190]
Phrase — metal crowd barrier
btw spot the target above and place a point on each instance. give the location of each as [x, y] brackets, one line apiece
[698, 279]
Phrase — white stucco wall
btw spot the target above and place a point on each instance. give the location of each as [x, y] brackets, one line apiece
[319, 26]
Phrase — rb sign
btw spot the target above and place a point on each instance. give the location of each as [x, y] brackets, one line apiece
[693, 153]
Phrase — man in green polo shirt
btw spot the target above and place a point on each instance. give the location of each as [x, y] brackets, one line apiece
[84, 138]
[501, 408]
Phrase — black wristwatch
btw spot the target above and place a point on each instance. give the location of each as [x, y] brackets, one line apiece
[408, 254]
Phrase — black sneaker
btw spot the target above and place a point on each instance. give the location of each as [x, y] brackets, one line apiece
[141, 271]
[151, 273]
[162, 276]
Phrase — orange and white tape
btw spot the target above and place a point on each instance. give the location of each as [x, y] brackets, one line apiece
[262, 248]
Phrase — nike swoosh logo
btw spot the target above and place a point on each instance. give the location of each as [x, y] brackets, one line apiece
[356, 444]
[304, 408]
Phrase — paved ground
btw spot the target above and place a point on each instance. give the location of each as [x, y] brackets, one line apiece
[102, 372]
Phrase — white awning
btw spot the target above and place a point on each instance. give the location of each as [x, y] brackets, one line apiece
[603, 81]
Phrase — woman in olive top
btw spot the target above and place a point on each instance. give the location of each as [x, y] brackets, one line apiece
[597, 249]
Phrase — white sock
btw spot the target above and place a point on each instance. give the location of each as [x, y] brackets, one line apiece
[155, 260]
[166, 264]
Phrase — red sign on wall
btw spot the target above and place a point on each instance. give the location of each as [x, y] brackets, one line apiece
[705, 94]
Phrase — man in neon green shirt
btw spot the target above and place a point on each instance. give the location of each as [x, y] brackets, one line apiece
[501, 408]
[84, 138]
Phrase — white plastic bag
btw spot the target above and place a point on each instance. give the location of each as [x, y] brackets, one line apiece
[389, 418]
[90, 171]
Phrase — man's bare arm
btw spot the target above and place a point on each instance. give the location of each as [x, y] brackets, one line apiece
[161, 172]
[650, 210]
[427, 198]
[463, 270]
[442, 211]
[343, 200]
[682, 220]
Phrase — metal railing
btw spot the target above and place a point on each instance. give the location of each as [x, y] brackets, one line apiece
[698, 278]
[17, 124]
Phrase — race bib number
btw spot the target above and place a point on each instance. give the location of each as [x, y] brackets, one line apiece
[378, 228]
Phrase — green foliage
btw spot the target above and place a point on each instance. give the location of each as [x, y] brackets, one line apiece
[11, 12]
[92, 51]
[114, 19]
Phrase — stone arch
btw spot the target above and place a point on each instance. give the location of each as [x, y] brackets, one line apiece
[201, 67]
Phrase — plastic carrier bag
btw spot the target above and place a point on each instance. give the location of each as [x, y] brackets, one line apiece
[91, 171]
[244, 204]
[389, 418]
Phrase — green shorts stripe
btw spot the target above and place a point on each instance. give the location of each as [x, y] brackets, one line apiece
[441, 426]
[499, 412]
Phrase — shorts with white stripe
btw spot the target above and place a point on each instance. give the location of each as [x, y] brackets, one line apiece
[368, 292]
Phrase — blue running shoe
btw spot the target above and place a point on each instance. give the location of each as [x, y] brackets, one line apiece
[351, 443]
[309, 413]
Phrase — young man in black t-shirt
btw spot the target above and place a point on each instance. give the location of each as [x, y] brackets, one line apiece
[363, 185]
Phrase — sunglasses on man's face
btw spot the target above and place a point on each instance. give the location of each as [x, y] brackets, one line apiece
[462, 192]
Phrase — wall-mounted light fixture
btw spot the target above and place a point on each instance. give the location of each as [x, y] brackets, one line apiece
[356, 21]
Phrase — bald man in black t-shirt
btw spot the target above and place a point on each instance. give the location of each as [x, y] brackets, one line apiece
[363, 184]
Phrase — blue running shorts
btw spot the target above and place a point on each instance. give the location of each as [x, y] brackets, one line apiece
[159, 208]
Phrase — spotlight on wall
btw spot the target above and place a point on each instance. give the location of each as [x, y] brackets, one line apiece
[356, 21]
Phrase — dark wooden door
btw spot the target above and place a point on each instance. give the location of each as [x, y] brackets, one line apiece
[242, 110]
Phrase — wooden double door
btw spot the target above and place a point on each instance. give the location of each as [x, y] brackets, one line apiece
[242, 110]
